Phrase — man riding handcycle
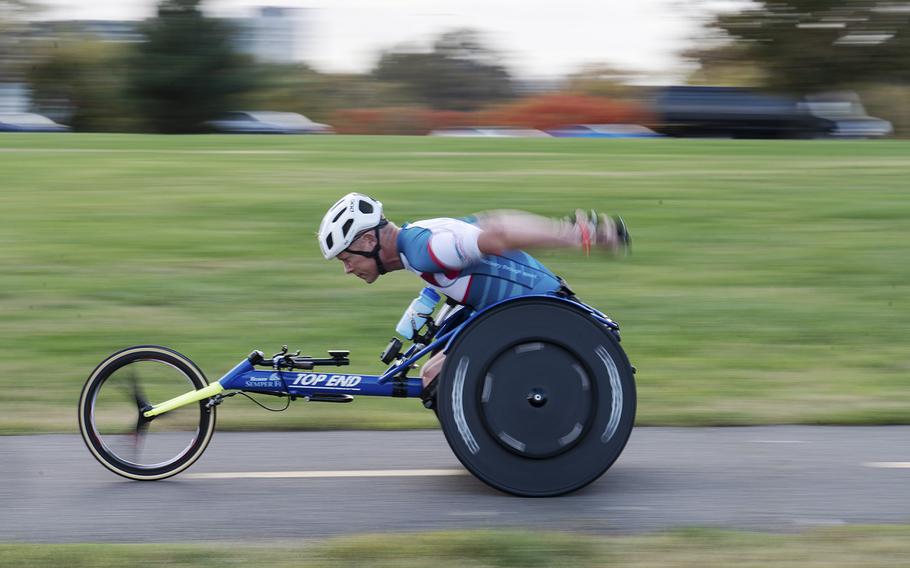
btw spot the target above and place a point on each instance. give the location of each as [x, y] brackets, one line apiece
[532, 390]
[475, 262]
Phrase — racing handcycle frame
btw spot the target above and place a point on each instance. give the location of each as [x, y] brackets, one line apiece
[284, 380]
[586, 401]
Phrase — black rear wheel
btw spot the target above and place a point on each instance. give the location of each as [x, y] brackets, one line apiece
[536, 398]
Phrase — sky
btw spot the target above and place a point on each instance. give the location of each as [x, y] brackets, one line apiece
[538, 38]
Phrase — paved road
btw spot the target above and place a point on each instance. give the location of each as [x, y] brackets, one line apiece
[769, 478]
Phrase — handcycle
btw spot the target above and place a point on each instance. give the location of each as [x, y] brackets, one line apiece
[535, 398]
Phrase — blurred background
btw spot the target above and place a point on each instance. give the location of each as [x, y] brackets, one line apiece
[164, 166]
[751, 147]
[789, 69]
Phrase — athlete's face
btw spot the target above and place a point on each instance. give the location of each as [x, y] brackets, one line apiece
[361, 266]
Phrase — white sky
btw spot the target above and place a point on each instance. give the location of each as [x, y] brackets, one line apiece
[539, 38]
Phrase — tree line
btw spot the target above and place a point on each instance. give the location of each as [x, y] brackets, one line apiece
[185, 69]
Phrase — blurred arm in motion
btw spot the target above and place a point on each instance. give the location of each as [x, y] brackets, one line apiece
[505, 230]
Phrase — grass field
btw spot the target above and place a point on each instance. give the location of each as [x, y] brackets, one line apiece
[847, 547]
[769, 281]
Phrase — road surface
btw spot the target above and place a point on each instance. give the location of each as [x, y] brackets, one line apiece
[304, 485]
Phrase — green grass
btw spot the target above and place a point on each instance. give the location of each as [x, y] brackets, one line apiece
[847, 547]
[769, 281]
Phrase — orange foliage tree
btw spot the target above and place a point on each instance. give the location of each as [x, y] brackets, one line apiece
[543, 111]
[549, 111]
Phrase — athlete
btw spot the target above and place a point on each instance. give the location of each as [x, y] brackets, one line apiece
[474, 261]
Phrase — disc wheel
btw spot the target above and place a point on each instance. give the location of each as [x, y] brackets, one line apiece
[111, 410]
[536, 397]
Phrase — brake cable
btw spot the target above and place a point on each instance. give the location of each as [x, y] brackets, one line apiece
[286, 406]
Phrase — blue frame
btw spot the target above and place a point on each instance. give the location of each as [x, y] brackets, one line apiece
[245, 377]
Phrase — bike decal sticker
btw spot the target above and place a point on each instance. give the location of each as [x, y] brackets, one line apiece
[518, 445]
[616, 388]
[273, 381]
[487, 387]
[585, 383]
[458, 406]
[571, 436]
[321, 380]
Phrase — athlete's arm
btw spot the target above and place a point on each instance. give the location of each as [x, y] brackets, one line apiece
[512, 230]
[457, 244]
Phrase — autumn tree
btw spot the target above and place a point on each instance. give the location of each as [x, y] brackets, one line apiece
[811, 45]
[186, 70]
[458, 73]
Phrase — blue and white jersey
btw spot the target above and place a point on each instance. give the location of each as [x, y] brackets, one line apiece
[444, 253]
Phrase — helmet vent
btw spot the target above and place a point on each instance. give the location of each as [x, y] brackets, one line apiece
[365, 207]
[346, 228]
[329, 241]
[340, 211]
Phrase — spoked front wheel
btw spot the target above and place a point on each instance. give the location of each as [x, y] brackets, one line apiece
[111, 410]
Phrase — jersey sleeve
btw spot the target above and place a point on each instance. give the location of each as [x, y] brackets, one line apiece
[455, 249]
[441, 246]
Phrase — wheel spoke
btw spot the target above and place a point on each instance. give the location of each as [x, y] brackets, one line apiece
[138, 441]
[142, 423]
[138, 394]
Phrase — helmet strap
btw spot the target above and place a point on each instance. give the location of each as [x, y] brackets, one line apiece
[374, 254]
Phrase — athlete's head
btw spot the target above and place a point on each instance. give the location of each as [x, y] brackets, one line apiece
[350, 232]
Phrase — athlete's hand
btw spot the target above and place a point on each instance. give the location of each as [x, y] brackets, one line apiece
[604, 232]
[623, 237]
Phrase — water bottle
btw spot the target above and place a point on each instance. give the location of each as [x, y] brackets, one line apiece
[416, 315]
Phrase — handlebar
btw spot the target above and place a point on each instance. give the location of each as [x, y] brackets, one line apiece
[337, 358]
[309, 362]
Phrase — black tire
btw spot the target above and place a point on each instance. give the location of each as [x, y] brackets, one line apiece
[110, 415]
[536, 398]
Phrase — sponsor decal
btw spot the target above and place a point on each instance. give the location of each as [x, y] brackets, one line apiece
[616, 391]
[458, 406]
[515, 271]
[325, 380]
[273, 381]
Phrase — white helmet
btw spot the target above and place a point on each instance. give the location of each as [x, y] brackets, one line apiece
[346, 220]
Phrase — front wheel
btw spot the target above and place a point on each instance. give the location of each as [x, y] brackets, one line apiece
[116, 394]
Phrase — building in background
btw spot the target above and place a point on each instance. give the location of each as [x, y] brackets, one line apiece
[112, 31]
[14, 98]
[272, 35]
